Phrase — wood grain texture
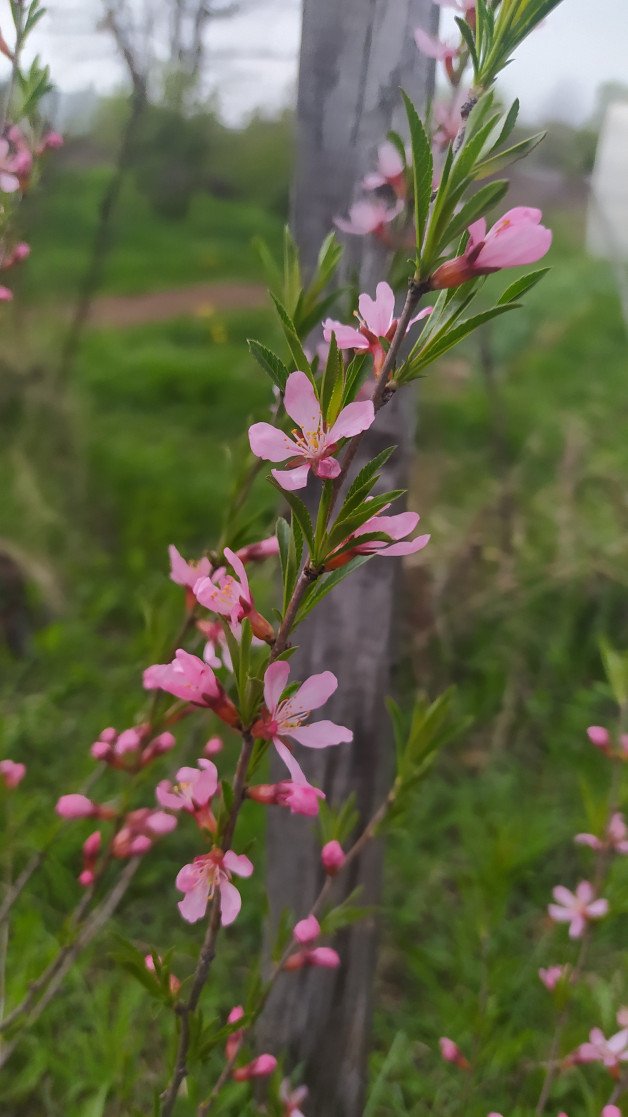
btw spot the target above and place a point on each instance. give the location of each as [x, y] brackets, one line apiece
[355, 57]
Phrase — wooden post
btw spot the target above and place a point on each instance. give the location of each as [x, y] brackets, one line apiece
[355, 57]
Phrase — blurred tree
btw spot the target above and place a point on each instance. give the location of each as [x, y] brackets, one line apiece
[354, 59]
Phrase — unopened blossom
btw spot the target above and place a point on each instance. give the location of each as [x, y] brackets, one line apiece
[307, 930]
[139, 831]
[234, 1040]
[284, 718]
[395, 527]
[9, 181]
[611, 1111]
[376, 323]
[552, 975]
[130, 750]
[451, 1053]
[610, 1052]
[313, 445]
[216, 650]
[517, 238]
[187, 573]
[333, 857]
[299, 798]
[231, 597]
[391, 170]
[188, 678]
[213, 746]
[577, 908]
[292, 1099]
[615, 839]
[256, 552]
[322, 957]
[173, 981]
[15, 255]
[52, 141]
[6, 295]
[91, 851]
[79, 806]
[193, 792]
[368, 217]
[258, 1068]
[599, 736]
[11, 773]
[207, 874]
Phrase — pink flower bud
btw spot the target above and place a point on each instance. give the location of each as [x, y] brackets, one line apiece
[235, 1039]
[100, 750]
[6, 295]
[91, 845]
[324, 957]
[333, 857]
[108, 735]
[11, 773]
[163, 743]
[52, 141]
[307, 930]
[86, 878]
[258, 1068]
[451, 1053]
[598, 736]
[213, 746]
[76, 806]
[611, 1111]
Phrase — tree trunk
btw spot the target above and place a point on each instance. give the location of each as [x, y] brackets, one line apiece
[355, 57]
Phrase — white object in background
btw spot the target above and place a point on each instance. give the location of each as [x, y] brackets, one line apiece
[607, 219]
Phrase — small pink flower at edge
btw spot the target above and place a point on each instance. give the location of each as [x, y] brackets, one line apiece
[281, 719]
[376, 320]
[187, 573]
[552, 975]
[11, 773]
[366, 217]
[610, 1052]
[577, 908]
[299, 798]
[313, 446]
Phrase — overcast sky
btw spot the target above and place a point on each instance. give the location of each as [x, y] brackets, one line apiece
[253, 56]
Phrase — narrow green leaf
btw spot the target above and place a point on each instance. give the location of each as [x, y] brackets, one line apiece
[301, 513]
[525, 283]
[291, 336]
[422, 169]
[497, 162]
[484, 199]
[442, 343]
[270, 362]
[469, 42]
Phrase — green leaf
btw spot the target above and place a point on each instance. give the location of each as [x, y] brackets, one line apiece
[301, 513]
[287, 555]
[616, 668]
[327, 583]
[331, 377]
[291, 336]
[366, 477]
[501, 159]
[270, 362]
[446, 340]
[469, 42]
[483, 200]
[521, 286]
[422, 169]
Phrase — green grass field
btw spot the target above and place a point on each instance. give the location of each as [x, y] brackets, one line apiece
[523, 488]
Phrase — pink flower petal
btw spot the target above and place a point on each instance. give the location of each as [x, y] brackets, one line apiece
[320, 735]
[301, 403]
[347, 337]
[353, 419]
[291, 479]
[327, 468]
[237, 863]
[378, 313]
[230, 902]
[409, 548]
[314, 692]
[194, 904]
[275, 682]
[293, 766]
[269, 443]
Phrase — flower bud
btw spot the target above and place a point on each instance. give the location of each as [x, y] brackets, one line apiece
[76, 806]
[333, 857]
[307, 930]
[599, 736]
[11, 773]
[258, 1068]
[451, 1053]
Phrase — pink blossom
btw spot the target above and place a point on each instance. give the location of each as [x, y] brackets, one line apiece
[376, 321]
[255, 552]
[299, 798]
[91, 850]
[395, 527]
[553, 975]
[213, 746]
[292, 1099]
[434, 48]
[188, 678]
[173, 981]
[333, 857]
[367, 217]
[451, 1053]
[313, 446]
[15, 255]
[577, 908]
[517, 238]
[208, 873]
[193, 792]
[322, 957]
[139, 831]
[126, 750]
[615, 839]
[307, 930]
[234, 1040]
[216, 651]
[79, 806]
[600, 737]
[6, 295]
[611, 1111]
[610, 1052]
[187, 573]
[280, 719]
[11, 773]
[9, 181]
[52, 141]
[231, 597]
[390, 170]
[258, 1068]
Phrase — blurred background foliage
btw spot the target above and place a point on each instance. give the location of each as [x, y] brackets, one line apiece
[520, 477]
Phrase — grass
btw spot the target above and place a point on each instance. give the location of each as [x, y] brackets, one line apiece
[523, 489]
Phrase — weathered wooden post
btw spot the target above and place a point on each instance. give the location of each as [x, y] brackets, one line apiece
[355, 57]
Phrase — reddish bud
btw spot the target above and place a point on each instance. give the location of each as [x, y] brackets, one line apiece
[258, 1068]
[333, 857]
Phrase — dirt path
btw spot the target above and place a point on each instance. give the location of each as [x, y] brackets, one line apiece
[158, 306]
